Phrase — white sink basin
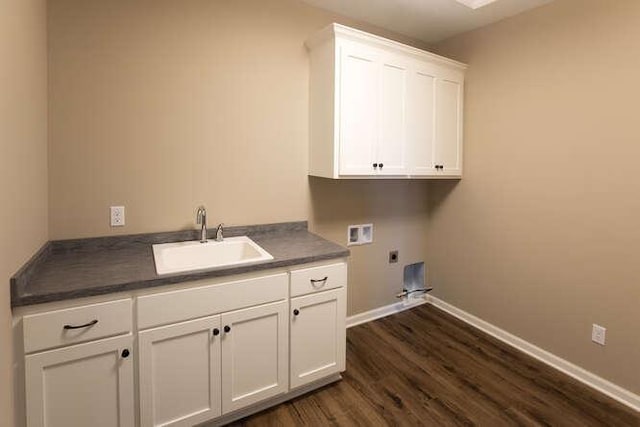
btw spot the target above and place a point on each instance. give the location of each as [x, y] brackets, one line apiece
[193, 255]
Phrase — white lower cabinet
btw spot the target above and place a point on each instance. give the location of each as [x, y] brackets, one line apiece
[194, 371]
[255, 357]
[203, 352]
[180, 373]
[83, 385]
[317, 336]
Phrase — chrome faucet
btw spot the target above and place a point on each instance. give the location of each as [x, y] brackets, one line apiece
[201, 218]
[219, 231]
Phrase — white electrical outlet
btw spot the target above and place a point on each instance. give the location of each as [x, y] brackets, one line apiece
[117, 216]
[598, 334]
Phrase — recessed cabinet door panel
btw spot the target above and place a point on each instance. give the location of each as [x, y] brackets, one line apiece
[358, 94]
[84, 385]
[393, 92]
[255, 356]
[317, 336]
[420, 118]
[448, 126]
[180, 373]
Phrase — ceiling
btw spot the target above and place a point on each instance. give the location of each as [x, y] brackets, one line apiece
[427, 20]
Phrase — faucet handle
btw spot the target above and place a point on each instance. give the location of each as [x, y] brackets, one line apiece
[219, 233]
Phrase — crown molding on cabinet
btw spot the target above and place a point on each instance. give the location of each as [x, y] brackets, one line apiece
[334, 29]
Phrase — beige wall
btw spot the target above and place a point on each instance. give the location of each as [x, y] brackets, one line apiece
[23, 157]
[398, 210]
[163, 105]
[541, 237]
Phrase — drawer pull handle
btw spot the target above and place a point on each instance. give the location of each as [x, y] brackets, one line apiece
[86, 325]
[322, 282]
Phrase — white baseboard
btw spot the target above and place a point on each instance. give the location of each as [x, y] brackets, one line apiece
[612, 390]
[387, 310]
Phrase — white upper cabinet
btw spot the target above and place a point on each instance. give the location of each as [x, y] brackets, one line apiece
[381, 109]
[359, 107]
[421, 121]
[391, 154]
[447, 151]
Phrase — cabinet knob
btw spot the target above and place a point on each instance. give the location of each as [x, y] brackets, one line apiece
[375, 165]
[381, 165]
[125, 353]
[296, 312]
[216, 332]
[227, 329]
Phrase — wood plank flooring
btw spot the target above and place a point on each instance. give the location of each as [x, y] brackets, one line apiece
[424, 367]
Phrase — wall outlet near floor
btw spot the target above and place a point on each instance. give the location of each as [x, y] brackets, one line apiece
[359, 234]
[598, 334]
[117, 216]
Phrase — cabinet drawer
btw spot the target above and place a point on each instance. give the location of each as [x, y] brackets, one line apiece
[317, 279]
[187, 304]
[76, 325]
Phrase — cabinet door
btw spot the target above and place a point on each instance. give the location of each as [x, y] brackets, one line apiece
[84, 385]
[391, 150]
[358, 88]
[448, 127]
[180, 373]
[255, 356]
[318, 336]
[420, 117]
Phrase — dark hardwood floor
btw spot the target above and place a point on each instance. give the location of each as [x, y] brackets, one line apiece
[425, 367]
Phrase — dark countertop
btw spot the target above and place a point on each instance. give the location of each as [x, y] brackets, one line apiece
[70, 269]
